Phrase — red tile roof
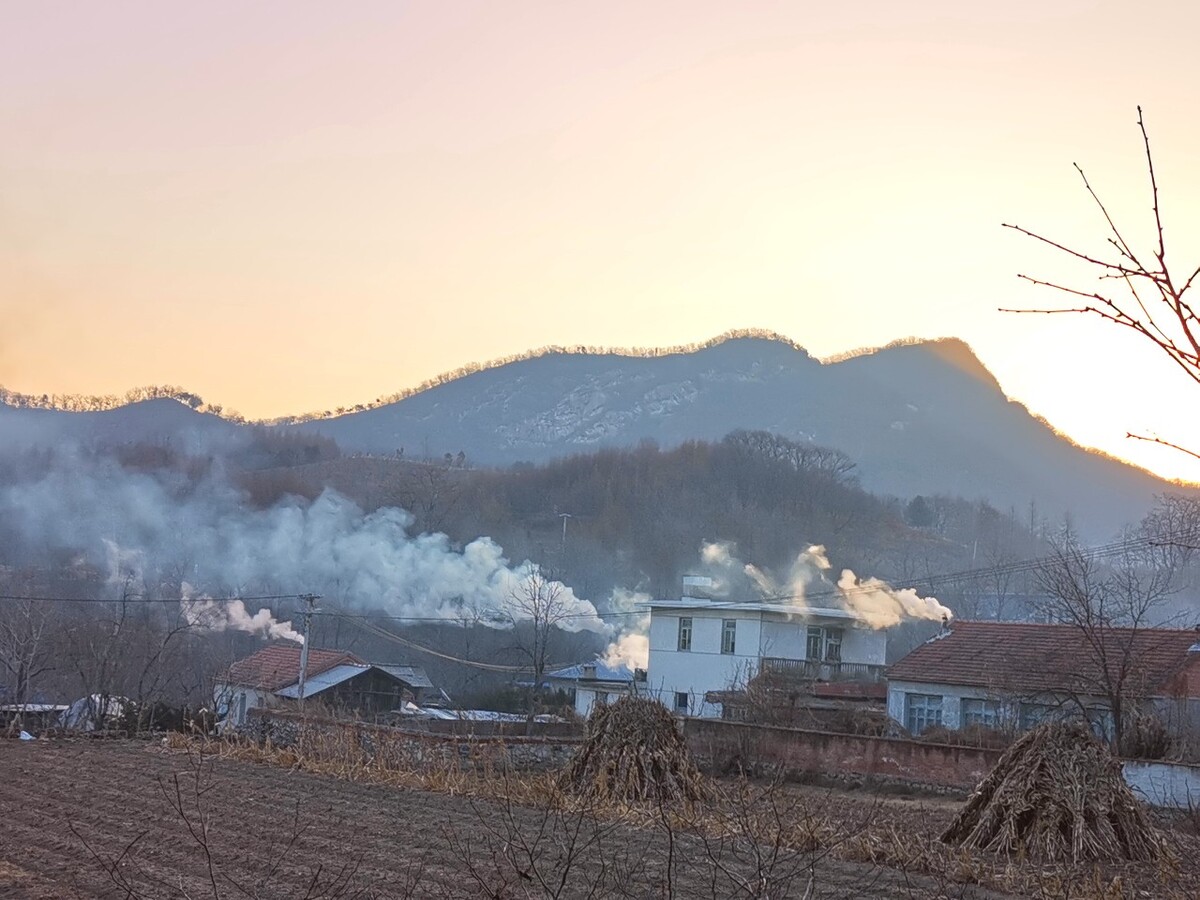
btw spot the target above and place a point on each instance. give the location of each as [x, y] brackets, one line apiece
[278, 665]
[1013, 657]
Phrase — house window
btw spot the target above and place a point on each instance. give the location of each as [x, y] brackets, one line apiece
[922, 711]
[728, 635]
[824, 644]
[983, 713]
[813, 650]
[833, 645]
[240, 718]
[685, 633]
[681, 702]
[1031, 715]
[602, 698]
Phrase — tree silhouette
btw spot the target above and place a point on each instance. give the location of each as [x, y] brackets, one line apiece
[1146, 296]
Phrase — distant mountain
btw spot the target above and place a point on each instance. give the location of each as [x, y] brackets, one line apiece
[921, 418]
[152, 421]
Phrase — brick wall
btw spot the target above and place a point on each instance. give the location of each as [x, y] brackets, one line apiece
[724, 746]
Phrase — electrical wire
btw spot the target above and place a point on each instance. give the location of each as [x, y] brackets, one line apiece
[141, 598]
[1017, 567]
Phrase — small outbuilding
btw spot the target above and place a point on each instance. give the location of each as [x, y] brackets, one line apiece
[338, 679]
[596, 682]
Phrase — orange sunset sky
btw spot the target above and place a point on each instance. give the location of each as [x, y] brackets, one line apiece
[293, 206]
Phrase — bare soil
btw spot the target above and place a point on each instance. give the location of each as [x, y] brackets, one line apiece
[103, 818]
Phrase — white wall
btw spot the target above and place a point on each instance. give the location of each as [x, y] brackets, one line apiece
[1173, 785]
[704, 668]
[864, 645]
[230, 694]
[952, 696]
[585, 697]
[787, 640]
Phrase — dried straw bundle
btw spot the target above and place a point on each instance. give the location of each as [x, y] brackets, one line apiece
[633, 753]
[1057, 795]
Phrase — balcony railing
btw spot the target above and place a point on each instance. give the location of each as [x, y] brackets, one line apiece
[813, 670]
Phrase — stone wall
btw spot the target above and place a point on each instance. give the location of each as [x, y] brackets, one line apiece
[403, 749]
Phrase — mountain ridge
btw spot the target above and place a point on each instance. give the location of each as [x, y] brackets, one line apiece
[919, 417]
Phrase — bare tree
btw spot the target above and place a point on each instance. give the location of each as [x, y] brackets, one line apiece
[25, 650]
[1115, 602]
[537, 607]
[1146, 297]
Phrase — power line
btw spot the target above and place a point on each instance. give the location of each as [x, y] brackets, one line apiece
[141, 598]
[460, 620]
[1017, 567]
[421, 648]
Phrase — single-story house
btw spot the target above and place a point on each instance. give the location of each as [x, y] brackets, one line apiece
[596, 682]
[335, 678]
[1013, 675]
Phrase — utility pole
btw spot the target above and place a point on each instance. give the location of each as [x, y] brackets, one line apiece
[310, 605]
[564, 517]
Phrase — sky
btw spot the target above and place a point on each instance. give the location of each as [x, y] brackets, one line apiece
[295, 206]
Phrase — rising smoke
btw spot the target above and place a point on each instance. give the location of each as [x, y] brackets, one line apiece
[205, 612]
[173, 531]
[631, 648]
[806, 585]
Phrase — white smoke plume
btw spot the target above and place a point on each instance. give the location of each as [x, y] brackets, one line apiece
[205, 533]
[876, 602]
[882, 606]
[222, 615]
[632, 646]
[732, 577]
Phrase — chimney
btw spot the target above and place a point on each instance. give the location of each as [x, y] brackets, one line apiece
[697, 587]
[588, 671]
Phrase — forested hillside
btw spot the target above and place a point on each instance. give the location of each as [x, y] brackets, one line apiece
[637, 518]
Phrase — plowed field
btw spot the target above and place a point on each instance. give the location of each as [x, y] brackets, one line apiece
[81, 818]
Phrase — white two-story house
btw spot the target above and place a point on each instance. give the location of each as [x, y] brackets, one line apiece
[698, 646]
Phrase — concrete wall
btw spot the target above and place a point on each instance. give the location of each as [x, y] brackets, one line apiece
[1173, 785]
